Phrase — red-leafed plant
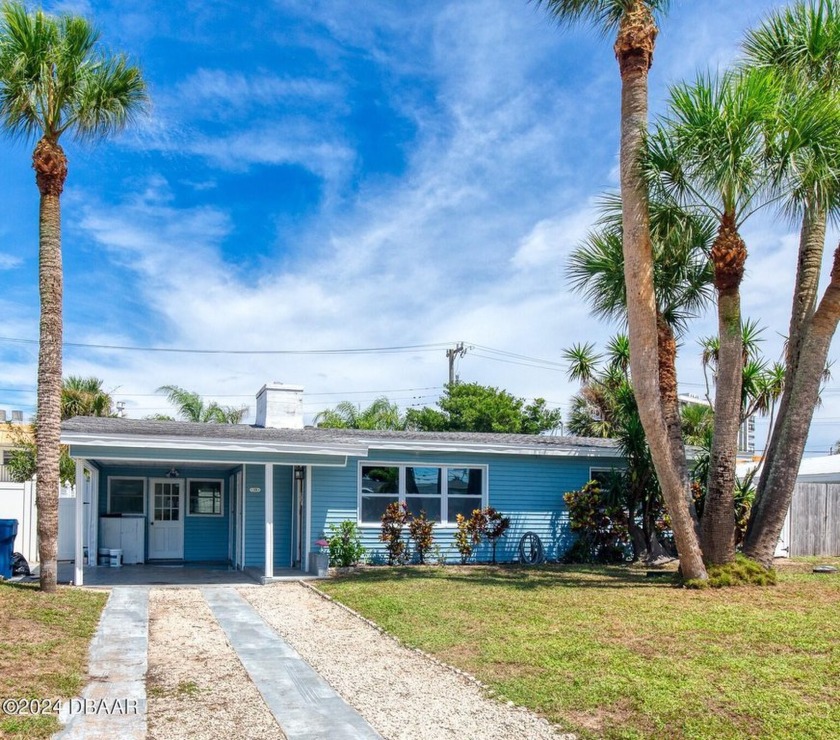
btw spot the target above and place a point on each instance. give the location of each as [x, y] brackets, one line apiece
[421, 531]
[393, 522]
[496, 527]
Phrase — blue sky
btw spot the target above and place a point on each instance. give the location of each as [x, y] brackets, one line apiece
[319, 176]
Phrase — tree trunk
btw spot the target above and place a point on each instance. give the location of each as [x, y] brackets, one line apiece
[811, 244]
[50, 166]
[718, 523]
[780, 471]
[634, 52]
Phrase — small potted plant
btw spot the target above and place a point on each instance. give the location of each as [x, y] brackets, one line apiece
[319, 560]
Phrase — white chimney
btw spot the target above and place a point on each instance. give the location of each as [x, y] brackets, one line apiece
[280, 406]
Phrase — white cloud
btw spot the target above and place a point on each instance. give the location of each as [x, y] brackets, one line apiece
[9, 261]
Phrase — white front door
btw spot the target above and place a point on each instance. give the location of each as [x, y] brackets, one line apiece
[166, 520]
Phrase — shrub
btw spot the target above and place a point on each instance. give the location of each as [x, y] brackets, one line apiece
[497, 526]
[420, 530]
[393, 523]
[345, 544]
[463, 538]
[740, 572]
[601, 526]
[482, 523]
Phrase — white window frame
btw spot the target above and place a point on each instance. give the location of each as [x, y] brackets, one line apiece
[600, 469]
[221, 483]
[401, 492]
[128, 477]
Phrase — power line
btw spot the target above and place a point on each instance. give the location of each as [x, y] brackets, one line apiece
[183, 350]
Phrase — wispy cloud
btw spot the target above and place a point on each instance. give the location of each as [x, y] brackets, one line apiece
[9, 261]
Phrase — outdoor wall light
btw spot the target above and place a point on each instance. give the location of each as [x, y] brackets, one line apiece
[173, 473]
[300, 472]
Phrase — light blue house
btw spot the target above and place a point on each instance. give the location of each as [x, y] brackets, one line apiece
[259, 496]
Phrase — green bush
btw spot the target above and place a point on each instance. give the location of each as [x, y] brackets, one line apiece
[600, 524]
[740, 572]
[345, 544]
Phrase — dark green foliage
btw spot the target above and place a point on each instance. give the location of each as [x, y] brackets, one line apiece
[497, 526]
[471, 407]
[740, 572]
[345, 545]
[421, 532]
[393, 522]
[601, 526]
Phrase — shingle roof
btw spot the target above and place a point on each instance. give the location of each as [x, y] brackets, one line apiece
[317, 436]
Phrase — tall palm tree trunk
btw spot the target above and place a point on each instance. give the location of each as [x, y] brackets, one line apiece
[50, 166]
[728, 255]
[811, 246]
[812, 242]
[779, 474]
[634, 52]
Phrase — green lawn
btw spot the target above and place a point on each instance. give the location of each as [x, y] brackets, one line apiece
[44, 642]
[608, 652]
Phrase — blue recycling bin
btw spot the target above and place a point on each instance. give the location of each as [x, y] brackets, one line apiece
[8, 532]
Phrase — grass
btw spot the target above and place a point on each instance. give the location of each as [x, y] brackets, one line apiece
[44, 642]
[607, 652]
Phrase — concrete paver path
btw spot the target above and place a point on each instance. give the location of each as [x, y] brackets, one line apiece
[305, 706]
[113, 704]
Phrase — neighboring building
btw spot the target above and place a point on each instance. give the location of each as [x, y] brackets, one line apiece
[260, 496]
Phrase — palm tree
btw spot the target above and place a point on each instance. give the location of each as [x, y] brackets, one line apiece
[55, 79]
[801, 43]
[381, 414]
[84, 397]
[191, 407]
[710, 153]
[634, 24]
[682, 280]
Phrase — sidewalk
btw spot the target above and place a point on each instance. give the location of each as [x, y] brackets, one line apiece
[305, 706]
[113, 704]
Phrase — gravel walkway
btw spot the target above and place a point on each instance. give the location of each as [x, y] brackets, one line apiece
[196, 686]
[403, 694]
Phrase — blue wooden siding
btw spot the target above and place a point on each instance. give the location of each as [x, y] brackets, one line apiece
[254, 516]
[282, 516]
[205, 537]
[528, 489]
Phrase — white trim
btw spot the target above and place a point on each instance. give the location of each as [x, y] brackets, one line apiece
[359, 449]
[136, 441]
[221, 483]
[307, 515]
[93, 518]
[182, 507]
[401, 493]
[126, 477]
[78, 570]
[600, 469]
[268, 492]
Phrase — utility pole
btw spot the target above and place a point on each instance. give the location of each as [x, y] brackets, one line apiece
[451, 354]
